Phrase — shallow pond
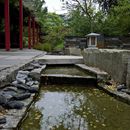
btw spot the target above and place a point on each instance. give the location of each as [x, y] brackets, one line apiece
[67, 70]
[76, 108]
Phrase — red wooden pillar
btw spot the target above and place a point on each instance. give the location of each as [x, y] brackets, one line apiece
[29, 32]
[20, 24]
[33, 26]
[37, 34]
[7, 26]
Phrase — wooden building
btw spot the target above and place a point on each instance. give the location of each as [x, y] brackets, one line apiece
[14, 17]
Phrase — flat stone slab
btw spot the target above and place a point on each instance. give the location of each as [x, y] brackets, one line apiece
[12, 61]
[16, 57]
[62, 59]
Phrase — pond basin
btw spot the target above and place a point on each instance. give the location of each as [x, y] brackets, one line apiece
[66, 70]
[75, 107]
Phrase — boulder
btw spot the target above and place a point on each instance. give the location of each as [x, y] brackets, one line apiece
[35, 86]
[22, 86]
[21, 96]
[15, 82]
[2, 120]
[14, 105]
[29, 68]
[30, 83]
[28, 79]
[8, 95]
[33, 90]
[36, 65]
[22, 76]
[126, 91]
[120, 87]
[23, 72]
[10, 89]
[35, 74]
[3, 99]
[36, 83]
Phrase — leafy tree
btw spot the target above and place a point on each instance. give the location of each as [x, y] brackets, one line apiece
[55, 29]
[86, 8]
[107, 4]
[118, 19]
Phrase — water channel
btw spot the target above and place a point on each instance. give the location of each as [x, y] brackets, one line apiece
[76, 107]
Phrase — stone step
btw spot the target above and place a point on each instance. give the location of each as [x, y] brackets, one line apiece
[99, 73]
[62, 59]
[67, 79]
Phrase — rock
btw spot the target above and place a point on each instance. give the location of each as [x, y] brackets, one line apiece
[15, 82]
[22, 76]
[29, 68]
[23, 72]
[30, 83]
[2, 111]
[2, 120]
[28, 79]
[126, 91]
[8, 95]
[120, 87]
[21, 80]
[108, 83]
[10, 89]
[3, 99]
[33, 90]
[21, 96]
[36, 82]
[35, 86]
[36, 65]
[35, 74]
[14, 105]
[29, 89]
[21, 86]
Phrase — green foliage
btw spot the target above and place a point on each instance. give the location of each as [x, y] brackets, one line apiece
[43, 47]
[78, 23]
[59, 47]
[55, 29]
[114, 23]
[118, 19]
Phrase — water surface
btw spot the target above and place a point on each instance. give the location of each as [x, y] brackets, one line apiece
[68, 70]
[76, 108]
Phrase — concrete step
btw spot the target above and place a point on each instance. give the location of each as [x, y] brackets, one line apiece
[67, 79]
[99, 73]
[62, 59]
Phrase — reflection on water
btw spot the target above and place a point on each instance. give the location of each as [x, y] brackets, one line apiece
[68, 70]
[76, 108]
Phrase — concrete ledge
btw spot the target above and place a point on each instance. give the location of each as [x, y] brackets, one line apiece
[99, 73]
[54, 59]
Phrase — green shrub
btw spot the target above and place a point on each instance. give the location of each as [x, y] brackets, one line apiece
[59, 47]
[43, 47]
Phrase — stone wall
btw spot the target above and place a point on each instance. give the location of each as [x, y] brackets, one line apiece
[73, 51]
[113, 61]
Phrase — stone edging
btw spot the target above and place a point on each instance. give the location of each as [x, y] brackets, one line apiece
[12, 116]
[121, 96]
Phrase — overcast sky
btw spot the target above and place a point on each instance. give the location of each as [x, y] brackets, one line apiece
[54, 6]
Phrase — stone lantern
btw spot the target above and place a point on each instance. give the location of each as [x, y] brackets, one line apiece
[92, 40]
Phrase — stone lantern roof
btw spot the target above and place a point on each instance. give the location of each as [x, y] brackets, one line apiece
[93, 34]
